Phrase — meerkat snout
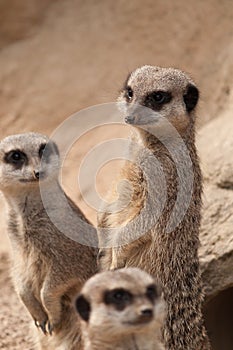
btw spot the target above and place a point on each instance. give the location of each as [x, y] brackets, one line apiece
[119, 304]
[141, 115]
[146, 313]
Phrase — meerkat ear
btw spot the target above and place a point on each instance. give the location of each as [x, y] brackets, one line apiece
[191, 97]
[83, 307]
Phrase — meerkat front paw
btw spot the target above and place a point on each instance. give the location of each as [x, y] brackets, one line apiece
[50, 327]
[53, 307]
[35, 308]
[42, 325]
[45, 326]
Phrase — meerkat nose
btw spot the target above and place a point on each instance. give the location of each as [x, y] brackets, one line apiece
[129, 119]
[146, 315]
[147, 312]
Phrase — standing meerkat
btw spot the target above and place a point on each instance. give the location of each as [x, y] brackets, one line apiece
[160, 105]
[121, 310]
[49, 268]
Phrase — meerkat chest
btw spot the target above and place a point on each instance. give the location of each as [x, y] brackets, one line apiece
[29, 269]
[147, 342]
[138, 342]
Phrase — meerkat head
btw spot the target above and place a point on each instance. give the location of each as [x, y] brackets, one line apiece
[25, 159]
[118, 303]
[151, 96]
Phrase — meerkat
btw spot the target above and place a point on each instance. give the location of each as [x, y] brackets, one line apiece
[159, 104]
[121, 309]
[49, 268]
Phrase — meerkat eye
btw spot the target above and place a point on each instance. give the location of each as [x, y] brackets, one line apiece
[151, 292]
[156, 99]
[118, 297]
[15, 157]
[159, 97]
[128, 93]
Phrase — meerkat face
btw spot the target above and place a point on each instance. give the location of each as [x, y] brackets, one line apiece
[25, 159]
[119, 302]
[151, 96]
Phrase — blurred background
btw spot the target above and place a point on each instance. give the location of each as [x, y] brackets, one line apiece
[57, 57]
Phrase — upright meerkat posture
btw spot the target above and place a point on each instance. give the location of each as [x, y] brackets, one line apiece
[49, 268]
[121, 310]
[169, 98]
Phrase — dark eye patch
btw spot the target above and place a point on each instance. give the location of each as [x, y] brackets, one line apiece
[16, 158]
[118, 297]
[152, 292]
[156, 99]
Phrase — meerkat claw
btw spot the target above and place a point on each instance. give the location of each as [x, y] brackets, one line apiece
[50, 328]
[42, 326]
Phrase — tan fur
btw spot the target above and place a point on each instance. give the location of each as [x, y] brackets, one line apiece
[49, 268]
[125, 328]
[170, 256]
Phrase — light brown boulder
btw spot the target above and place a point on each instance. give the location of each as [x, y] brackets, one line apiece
[19, 19]
[215, 143]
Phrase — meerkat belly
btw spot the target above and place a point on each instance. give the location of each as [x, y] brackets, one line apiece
[30, 270]
[132, 193]
[37, 267]
[126, 198]
[138, 253]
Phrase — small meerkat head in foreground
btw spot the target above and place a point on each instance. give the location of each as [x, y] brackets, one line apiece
[25, 159]
[120, 303]
[151, 94]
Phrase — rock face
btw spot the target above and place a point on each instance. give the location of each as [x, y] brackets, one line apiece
[216, 253]
[215, 144]
[19, 19]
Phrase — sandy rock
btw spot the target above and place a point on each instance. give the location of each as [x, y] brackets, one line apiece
[216, 253]
[19, 19]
